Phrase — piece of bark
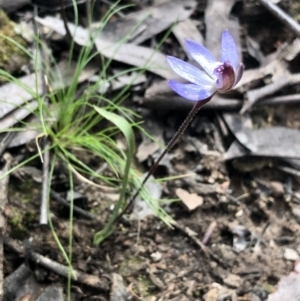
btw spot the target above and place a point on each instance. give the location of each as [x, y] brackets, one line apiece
[51, 293]
[21, 284]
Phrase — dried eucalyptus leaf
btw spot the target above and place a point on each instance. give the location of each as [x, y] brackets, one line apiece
[271, 142]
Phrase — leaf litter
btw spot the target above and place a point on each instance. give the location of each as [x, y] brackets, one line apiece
[254, 243]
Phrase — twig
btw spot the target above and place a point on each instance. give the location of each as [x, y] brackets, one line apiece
[46, 155]
[258, 242]
[179, 103]
[286, 99]
[207, 252]
[209, 232]
[132, 292]
[3, 201]
[282, 16]
[294, 195]
[257, 94]
[78, 210]
[45, 185]
[65, 20]
[90, 280]
[289, 170]
[192, 235]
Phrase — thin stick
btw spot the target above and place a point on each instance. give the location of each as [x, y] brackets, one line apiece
[65, 19]
[283, 16]
[45, 158]
[3, 202]
[206, 251]
[45, 185]
[90, 280]
[209, 232]
[77, 209]
[170, 145]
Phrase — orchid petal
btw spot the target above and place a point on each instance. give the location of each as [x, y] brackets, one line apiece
[202, 56]
[238, 73]
[191, 91]
[229, 51]
[189, 72]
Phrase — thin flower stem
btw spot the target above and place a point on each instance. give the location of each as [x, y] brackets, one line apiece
[170, 145]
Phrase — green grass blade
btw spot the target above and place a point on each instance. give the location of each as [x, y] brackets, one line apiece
[124, 126]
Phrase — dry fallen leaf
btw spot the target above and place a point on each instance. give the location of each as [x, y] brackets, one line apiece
[146, 149]
[131, 54]
[144, 24]
[190, 200]
[269, 142]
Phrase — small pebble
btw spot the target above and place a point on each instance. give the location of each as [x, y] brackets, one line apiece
[277, 188]
[233, 281]
[239, 213]
[290, 254]
[156, 256]
[158, 239]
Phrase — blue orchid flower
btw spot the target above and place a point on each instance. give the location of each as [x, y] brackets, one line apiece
[215, 76]
[203, 84]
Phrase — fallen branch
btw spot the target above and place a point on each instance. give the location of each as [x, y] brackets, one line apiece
[86, 279]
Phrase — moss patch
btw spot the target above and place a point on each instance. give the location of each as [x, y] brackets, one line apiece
[12, 58]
